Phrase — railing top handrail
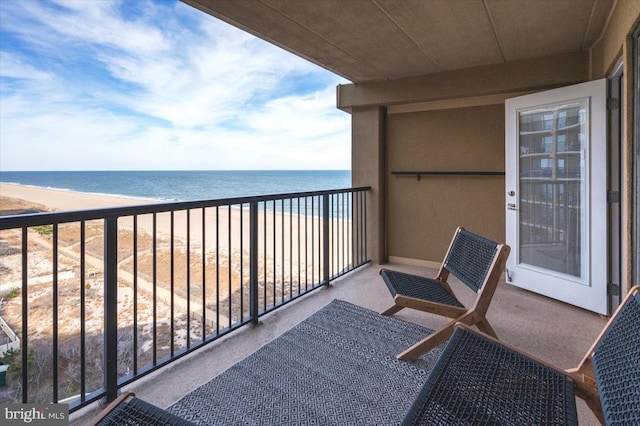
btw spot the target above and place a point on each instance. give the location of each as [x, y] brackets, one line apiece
[35, 219]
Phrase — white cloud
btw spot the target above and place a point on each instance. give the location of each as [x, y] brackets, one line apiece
[168, 88]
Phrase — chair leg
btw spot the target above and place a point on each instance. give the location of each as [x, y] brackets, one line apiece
[469, 318]
[391, 310]
[428, 343]
[485, 327]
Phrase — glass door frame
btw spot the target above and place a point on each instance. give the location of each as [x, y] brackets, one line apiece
[635, 243]
[592, 294]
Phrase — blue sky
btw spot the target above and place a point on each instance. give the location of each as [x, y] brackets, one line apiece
[157, 85]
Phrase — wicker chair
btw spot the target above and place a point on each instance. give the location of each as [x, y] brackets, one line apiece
[478, 380]
[129, 410]
[474, 260]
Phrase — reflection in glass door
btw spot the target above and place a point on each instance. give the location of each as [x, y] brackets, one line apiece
[552, 187]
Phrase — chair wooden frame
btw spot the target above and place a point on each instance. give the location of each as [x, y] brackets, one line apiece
[583, 375]
[475, 315]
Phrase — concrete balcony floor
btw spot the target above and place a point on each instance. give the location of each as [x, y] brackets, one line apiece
[554, 331]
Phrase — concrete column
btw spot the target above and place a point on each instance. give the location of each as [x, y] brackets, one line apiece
[368, 169]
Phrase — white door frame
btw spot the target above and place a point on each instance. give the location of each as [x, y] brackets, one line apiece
[590, 292]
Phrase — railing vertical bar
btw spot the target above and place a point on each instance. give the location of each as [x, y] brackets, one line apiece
[204, 275]
[332, 232]
[365, 225]
[340, 233]
[264, 255]
[54, 291]
[356, 203]
[172, 285]
[291, 247]
[306, 245]
[188, 212]
[25, 311]
[217, 270]
[360, 257]
[354, 228]
[282, 246]
[135, 295]
[299, 249]
[325, 237]
[345, 223]
[155, 288]
[229, 263]
[344, 237]
[347, 249]
[338, 254]
[317, 218]
[241, 262]
[313, 245]
[264, 243]
[275, 267]
[253, 262]
[338, 226]
[83, 348]
[111, 307]
[338, 220]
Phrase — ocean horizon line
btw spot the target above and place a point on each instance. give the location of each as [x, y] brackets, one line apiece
[174, 170]
[189, 185]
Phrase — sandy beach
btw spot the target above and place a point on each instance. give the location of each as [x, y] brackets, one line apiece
[282, 239]
[66, 200]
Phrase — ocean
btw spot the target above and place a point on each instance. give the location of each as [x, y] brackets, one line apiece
[184, 185]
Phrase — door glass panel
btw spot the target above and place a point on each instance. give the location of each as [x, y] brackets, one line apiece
[552, 214]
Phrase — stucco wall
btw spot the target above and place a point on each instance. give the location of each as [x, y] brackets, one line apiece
[608, 50]
[367, 129]
[422, 215]
[615, 44]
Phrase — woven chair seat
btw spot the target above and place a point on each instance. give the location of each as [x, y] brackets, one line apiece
[419, 287]
[477, 381]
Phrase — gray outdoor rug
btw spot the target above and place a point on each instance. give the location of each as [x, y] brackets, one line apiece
[336, 367]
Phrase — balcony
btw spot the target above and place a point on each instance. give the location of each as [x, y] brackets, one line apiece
[549, 329]
[176, 359]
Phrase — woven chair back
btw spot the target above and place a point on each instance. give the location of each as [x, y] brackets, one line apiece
[616, 363]
[470, 258]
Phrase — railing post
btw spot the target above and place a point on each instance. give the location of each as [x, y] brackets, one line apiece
[326, 249]
[111, 307]
[253, 262]
[24, 345]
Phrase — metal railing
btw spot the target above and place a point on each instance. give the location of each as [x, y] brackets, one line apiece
[103, 297]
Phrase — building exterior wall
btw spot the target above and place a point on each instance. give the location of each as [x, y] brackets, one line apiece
[449, 121]
[614, 46]
[422, 215]
[394, 125]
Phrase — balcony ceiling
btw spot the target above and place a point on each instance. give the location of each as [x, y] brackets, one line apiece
[375, 40]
